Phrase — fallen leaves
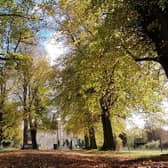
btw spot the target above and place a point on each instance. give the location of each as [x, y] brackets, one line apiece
[63, 159]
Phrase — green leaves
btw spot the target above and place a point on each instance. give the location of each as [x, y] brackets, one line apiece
[162, 4]
[102, 63]
[11, 122]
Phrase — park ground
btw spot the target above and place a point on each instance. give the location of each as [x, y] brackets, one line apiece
[82, 159]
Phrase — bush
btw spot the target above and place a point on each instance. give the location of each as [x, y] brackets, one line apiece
[165, 145]
[6, 143]
[152, 145]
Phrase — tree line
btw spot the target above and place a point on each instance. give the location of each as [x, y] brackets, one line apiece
[25, 73]
[112, 68]
[117, 51]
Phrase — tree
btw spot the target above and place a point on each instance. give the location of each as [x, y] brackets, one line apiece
[73, 104]
[141, 27]
[12, 120]
[15, 18]
[153, 23]
[33, 91]
[100, 57]
[6, 82]
[20, 22]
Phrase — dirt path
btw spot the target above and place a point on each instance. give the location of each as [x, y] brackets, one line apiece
[62, 159]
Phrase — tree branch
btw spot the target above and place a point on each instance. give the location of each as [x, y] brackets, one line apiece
[18, 42]
[14, 15]
[2, 57]
[156, 59]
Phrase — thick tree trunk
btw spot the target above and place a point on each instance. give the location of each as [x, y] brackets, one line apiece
[33, 132]
[92, 138]
[109, 142]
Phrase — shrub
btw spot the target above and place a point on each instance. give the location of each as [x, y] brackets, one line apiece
[165, 145]
[6, 143]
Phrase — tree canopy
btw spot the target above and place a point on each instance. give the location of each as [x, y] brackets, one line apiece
[113, 67]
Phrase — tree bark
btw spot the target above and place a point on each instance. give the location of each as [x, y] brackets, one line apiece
[92, 138]
[33, 125]
[2, 101]
[163, 60]
[109, 142]
[86, 139]
[25, 132]
[25, 117]
[33, 132]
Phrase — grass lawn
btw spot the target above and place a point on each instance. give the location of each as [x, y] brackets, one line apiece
[125, 154]
[117, 154]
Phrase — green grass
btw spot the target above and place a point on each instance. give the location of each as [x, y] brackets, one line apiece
[127, 154]
[133, 154]
[139, 153]
[7, 149]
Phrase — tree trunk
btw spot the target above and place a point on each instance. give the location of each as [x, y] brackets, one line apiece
[33, 132]
[92, 138]
[25, 119]
[2, 101]
[25, 132]
[86, 139]
[109, 142]
[164, 63]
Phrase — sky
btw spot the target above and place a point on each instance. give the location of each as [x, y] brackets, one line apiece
[54, 46]
[54, 50]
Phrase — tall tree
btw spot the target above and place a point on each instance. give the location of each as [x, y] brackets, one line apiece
[96, 40]
[33, 91]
